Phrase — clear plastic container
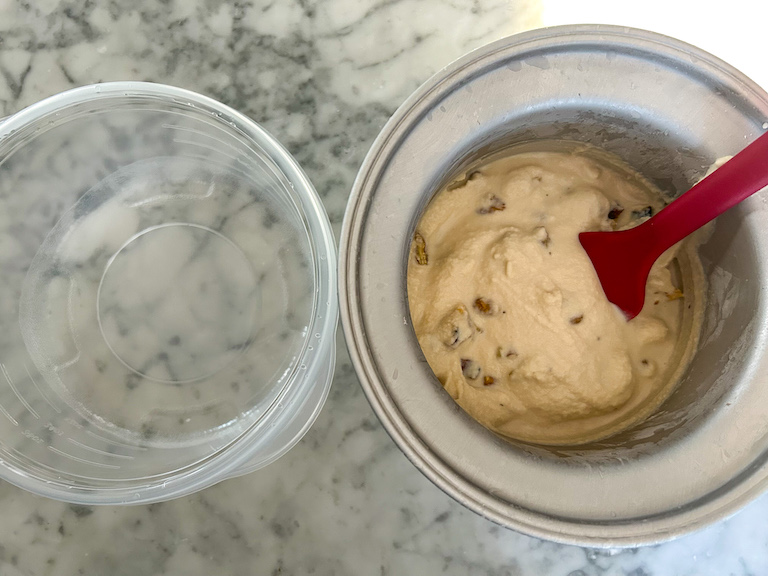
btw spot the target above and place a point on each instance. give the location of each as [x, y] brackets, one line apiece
[167, 299]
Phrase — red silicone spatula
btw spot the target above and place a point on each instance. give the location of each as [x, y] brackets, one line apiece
[623, 259]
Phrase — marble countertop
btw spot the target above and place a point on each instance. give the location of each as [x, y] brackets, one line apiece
[324, 76]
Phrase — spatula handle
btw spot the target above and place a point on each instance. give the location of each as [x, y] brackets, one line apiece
[737, 179]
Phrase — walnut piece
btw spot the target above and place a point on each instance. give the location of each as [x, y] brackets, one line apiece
[676, 294]
[421, 249]
[456, 327]
[485, 306]
[496, 204]
[542, 236]
[470, 368]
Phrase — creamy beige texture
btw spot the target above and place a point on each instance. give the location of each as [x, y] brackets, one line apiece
[511, 316]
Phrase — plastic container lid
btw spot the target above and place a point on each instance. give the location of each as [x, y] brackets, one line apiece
[168, 295]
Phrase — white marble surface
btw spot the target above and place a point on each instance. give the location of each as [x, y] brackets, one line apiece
[323, 75]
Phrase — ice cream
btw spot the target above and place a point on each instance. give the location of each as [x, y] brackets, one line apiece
[510, 314]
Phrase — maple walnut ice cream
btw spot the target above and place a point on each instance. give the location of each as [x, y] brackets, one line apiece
[509, 311]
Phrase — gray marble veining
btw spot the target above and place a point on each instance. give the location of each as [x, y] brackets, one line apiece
[323, 76]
